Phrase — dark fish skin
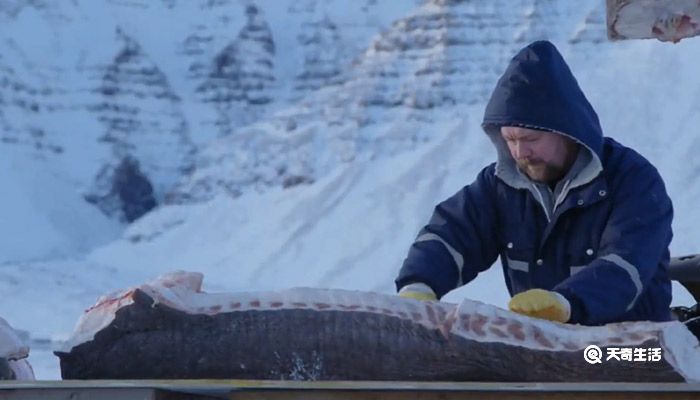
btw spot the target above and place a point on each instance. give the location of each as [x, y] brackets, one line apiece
[154, 341]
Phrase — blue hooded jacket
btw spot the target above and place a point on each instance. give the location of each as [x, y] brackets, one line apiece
[601, 242]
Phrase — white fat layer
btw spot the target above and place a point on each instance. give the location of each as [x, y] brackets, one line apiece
[682, 351]
[635, 18]
[11, 346]
[486, 323]
[173, 288]
[679, 346]
[181, 290]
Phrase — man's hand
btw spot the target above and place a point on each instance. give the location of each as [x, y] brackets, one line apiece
[542, 304]
[418, 291]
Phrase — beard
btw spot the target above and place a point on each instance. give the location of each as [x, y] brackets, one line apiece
[540, 171]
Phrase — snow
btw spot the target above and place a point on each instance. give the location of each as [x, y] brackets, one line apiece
[63, 227]
[375, 171]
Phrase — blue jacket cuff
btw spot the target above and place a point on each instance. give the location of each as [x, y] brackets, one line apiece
[578, 311]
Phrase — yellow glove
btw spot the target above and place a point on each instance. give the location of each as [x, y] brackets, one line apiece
[418, 291]
[418, 295]
[542, 304]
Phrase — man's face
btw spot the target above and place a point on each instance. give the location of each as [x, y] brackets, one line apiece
[543, 156]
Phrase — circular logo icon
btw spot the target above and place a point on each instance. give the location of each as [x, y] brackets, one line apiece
[593, 354]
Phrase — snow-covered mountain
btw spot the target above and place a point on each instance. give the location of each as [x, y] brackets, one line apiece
[279, 143]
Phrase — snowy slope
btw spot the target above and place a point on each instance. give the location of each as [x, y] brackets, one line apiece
[343, 157]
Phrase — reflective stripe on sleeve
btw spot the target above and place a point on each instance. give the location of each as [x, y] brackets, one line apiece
[575, 269]
[631, 270]
[518, 265]
[458, 259]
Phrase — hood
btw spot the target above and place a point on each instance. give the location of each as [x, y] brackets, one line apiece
[538, 91]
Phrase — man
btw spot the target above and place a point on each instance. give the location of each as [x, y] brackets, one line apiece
[582, 223]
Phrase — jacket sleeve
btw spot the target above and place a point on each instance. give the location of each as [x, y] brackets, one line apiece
[459, 240]
[633, 245]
